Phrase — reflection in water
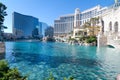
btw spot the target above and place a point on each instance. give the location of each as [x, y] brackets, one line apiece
[52, 61]
[110, 60]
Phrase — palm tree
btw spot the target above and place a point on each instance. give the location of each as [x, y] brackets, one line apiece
[2, 18]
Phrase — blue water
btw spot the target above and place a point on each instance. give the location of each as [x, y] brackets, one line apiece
[39, 59]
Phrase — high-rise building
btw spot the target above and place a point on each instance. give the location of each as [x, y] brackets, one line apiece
[40, 28]
[49, 32]
[23, 25]
[66, 24]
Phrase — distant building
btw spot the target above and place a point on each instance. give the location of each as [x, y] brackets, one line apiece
[44, 27]
[40, 29]
[64, 25]
[49, 32]
[8, 36]
[23, 25]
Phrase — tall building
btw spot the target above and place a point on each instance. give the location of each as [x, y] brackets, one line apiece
[64, 25]
[23, 25]
[40, 28]
[44, 27]
[35, 33]
[49, 32]
[67, 23]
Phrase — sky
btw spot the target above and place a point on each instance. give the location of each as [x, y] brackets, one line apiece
[47, 10]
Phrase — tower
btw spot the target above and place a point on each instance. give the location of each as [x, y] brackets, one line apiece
[116, 1]
[76, 17]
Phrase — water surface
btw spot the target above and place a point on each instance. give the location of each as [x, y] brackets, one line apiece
[39, 59]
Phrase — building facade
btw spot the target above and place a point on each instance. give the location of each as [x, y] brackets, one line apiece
[64, 25]
[23, 25]
[44, 27]
[110, 20]
[110, 30]
[67, 23]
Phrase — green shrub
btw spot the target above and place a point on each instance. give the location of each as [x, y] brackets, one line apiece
[72, 39]
[13, 74]
[9, 74]
[83, 38]
[51, 77]
[70, 78]
[91, 39]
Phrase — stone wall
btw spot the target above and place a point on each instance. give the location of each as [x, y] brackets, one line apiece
[101, 40]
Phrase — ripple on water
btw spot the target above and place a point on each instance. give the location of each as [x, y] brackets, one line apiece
[38, 60]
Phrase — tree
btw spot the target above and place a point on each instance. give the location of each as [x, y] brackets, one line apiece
[87, 24]
[94, 22]
[51, 77]
[2, 18]
[92, 26]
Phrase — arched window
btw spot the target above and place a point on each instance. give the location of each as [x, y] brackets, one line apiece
[110, 26]
[116, 27]
[102, 26]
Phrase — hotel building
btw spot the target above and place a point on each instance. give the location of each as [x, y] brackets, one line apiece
[67, 23]
[24, 26]
[109, 22]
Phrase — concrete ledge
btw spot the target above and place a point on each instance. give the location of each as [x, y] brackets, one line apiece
[2, 47]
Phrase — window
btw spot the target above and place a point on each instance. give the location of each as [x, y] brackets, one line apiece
[110, 26]
[116, 27]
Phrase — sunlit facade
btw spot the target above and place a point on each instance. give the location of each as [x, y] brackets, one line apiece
[23, 25]
[64, 25]
[110, 26]
[67, 23]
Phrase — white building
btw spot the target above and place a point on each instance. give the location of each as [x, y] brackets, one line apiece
[67, 23]
[64, 25]
[109, 22]
[110, 30]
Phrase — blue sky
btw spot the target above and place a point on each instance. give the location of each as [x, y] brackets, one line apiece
[48, 10]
